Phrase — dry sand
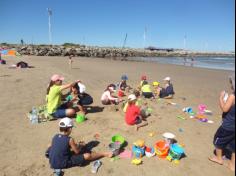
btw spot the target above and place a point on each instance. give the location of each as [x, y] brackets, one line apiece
[23, 144]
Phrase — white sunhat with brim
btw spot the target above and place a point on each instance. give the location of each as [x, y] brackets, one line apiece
[82, 88]
[132, 97]
[167, 78]
[66, 123]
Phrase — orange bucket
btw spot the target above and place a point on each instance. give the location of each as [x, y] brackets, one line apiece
[162, 149]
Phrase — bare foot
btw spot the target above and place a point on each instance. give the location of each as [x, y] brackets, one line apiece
[108, 154]
[216, 160]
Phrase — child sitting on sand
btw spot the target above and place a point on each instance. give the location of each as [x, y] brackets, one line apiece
[133, 114]
[168, 91]
[143, 78]
[73, 98]
[156, 88]
[122, 86]
[107, 97]
[138, 101]
[146, 90]
[63, 151]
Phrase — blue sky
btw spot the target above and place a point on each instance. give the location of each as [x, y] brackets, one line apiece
[207, 24]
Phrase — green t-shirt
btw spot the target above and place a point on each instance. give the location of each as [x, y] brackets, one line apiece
[54, 99]
[146, 88]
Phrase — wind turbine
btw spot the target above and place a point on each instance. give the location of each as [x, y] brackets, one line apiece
[49, 25]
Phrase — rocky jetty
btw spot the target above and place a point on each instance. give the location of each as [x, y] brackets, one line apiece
[105, 52]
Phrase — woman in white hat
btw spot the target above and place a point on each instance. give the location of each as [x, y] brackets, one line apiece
[167, 91]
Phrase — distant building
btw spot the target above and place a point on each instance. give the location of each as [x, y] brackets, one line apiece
[151, 48]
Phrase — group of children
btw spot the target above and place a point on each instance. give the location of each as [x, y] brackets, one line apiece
[135, 111]
[64, 152]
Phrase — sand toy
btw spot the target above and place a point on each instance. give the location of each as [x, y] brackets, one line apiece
[136, 161]
[175, 153]
[161, 149]
[80, 118]
[118, 139]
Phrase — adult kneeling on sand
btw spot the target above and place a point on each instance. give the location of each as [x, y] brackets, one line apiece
[55, 107]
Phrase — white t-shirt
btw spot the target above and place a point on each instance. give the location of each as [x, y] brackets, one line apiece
[107, 96]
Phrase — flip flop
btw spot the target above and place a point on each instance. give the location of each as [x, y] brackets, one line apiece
[214, 161]
[96, 165]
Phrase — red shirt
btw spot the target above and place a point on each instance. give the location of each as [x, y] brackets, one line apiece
[132, 113]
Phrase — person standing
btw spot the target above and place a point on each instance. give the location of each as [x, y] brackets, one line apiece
[70, 61]
[225, 135]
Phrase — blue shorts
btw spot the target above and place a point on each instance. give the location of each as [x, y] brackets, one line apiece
[148, 94]
[60, 112]
[225, 139]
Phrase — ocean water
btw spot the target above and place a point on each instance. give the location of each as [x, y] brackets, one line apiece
[220, 63]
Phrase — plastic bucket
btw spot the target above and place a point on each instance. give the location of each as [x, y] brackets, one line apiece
[115, 148]
[138, 152]
[176, 151]
[162, 149]
[118, 139]
[80, 118]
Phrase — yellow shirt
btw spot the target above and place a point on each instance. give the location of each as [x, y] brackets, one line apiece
[146, 88]
[54, 99]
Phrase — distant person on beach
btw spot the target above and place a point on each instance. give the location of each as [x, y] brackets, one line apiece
[225, 135]
[3, 62]
[122, 86]
[21, 64]
[133, 115]
[146, 90]
[167, 91]
[55, 106]
[64, 152]
[192, 62]
[107, 97]
[70, 61]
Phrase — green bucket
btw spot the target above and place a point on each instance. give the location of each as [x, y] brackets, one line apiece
[118, 138]
[80, 118]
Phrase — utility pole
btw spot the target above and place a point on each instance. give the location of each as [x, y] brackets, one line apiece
[126, 35]
[49, 26]
[144, 37]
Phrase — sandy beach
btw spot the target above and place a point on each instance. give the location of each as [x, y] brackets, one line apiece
[23, 145]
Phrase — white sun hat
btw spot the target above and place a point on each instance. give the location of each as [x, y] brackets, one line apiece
[66, 123]
[167, 78]
[132, 97]
[82, 88]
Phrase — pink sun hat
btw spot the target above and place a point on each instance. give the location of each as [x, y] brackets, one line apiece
[56, 77]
